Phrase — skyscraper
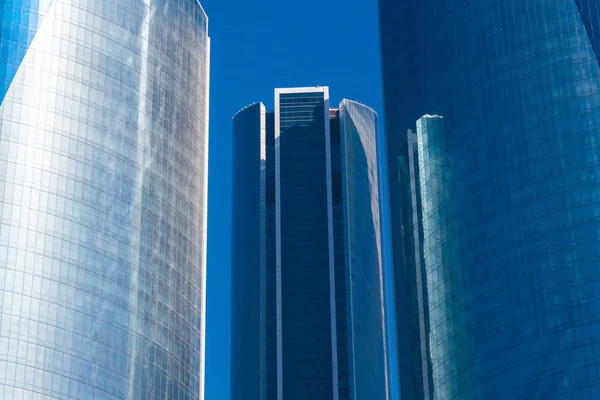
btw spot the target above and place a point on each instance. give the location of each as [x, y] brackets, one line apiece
[494, 199]
[103, 146]
[307, 298]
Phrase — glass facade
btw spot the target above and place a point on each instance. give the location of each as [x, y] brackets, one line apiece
[303, 243]
[307, 305]
[494, 200]
[247, 263]
[363, 258]
[103, 156]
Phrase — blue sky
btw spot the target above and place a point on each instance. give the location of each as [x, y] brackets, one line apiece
[258, 46]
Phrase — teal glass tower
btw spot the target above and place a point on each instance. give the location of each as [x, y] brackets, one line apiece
[103, 174]
[494, 196]
[307, 298]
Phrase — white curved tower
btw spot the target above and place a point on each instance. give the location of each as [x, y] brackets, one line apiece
[103, 167]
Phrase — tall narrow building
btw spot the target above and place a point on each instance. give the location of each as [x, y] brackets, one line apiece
[307, 298]
[103, 177]
[495, 199]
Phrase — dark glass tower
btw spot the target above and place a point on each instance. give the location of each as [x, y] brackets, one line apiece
[495, 200]
[308, 316]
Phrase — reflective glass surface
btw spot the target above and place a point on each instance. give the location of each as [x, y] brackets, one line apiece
[271, 273]
[305, 284]
[246, 263]
[339, 245]
[312, 326]
[253, 269]
[103, 135]
[362, 248]
[494, 196]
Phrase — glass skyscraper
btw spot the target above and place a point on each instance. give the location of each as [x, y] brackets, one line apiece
[307, 298]
[495, 196]
[103, 156]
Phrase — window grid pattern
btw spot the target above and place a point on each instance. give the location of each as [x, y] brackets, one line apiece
[306, 340]
[517, 85]
[363, 258]
[305, 269]
[102, 176]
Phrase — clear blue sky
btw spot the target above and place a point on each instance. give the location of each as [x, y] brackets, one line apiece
[256, 47]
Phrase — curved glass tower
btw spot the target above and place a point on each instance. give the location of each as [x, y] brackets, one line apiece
[103, 156]
[495, 199]
[307, 298]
